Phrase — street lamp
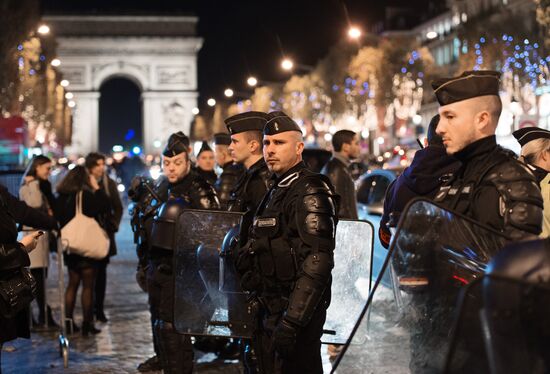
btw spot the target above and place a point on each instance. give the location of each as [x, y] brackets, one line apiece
[195, 111]
[228, 92]
[55, 62]
[431, 35]
[287, 64]
[354, 32]
[252, 81]
[69, 95]
[211, 102]
[44, 29]
[71, 104]
[64, 83]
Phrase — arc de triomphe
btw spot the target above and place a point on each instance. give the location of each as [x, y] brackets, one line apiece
[159, 54]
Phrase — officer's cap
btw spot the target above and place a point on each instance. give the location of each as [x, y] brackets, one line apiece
[204, 147]
[222, 139]
[279, 122]
[249, 121]
[177, 143]
[466, 86]
[527, 134]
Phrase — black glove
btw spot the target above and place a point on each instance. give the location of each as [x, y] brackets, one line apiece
[284, 338]
[141, 278]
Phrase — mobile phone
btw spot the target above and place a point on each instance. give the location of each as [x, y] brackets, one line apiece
[39, 234]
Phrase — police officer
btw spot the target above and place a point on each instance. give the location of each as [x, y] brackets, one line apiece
[345, 144]
[186, 189]
[288, 260]
[535, 152]
[231, 171]
[206, 163]
[246, 149]
[491, 186]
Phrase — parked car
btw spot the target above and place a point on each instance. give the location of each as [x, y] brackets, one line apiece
[371, 191]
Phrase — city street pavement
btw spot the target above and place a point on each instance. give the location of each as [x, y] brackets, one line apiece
[124, 342]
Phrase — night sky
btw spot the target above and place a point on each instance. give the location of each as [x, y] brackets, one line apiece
[249, 37]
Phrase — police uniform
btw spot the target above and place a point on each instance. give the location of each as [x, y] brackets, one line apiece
[287, 263]
[491, 186]
[524, 136]
[209, 175]
[193, 192]
[253, 184]
[231, 173]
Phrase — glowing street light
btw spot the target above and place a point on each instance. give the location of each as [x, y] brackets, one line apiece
[252, 81]
[44, 29]
[71, 104]
[69, 95]
[55, 62]
[64, 83]
[287, 64]
[228, 92]
[354, 32]
[195, 111]
[211, 102]
[431, 35]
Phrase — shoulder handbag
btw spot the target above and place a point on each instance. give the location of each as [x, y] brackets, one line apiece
[16, 292]
[84, 236]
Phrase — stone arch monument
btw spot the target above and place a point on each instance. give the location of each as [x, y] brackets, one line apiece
[159, 54]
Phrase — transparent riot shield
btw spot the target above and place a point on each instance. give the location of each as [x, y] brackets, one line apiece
[201, 306]
[350, 279]
[433, 255]
[502, 327]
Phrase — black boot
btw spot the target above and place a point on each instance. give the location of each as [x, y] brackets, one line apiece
[151, 364]
[176, 349]
[89, 328]
[71, 327]
[101, 317]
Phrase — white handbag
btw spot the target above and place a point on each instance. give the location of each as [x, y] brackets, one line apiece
[84, 236]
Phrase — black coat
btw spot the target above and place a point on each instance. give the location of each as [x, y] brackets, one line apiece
[227, 181]
[341, 179]
[12, 254]
[421, 178]
[209, 176]
[111, 219]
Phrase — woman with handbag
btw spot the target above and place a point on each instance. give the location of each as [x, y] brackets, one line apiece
[36, 191]
[80, 199]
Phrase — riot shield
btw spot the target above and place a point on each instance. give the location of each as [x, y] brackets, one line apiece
[201, 307]
[502, 327]
[350, 279]
[433, 255]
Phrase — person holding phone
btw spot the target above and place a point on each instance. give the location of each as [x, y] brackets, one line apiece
[36, 191]
[14, 259]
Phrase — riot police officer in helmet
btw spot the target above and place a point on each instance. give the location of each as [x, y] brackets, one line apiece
[287, 261]
[186, 189]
